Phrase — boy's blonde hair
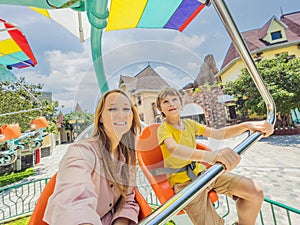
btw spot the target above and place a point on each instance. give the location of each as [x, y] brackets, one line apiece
[164, 93]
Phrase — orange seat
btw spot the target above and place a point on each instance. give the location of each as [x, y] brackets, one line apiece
[145, 209]
[40, 207]
[39, 123]
[39, 210]
[150, 157]
[10, 131]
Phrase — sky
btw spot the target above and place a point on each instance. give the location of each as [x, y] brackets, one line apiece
[66, 69]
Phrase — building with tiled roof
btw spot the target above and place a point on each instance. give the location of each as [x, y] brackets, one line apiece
[275, 37]
[147, 79]
[78, 108]
[143, 89]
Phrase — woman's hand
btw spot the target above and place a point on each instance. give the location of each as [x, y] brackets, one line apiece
[229, 158]
[121, 221]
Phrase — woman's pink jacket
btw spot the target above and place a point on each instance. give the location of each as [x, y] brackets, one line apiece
[82, 193]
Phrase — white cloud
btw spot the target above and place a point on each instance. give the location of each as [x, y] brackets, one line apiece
[193, 66]
[70, 77]
[185, 80]
[175, 78]
[165, 72]
[67, 70]
[112, 40]
[18, 18]
[220, 35]
[190, 42]
[219, 63]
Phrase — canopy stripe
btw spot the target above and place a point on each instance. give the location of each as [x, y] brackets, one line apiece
[170, 14]
[14, 48]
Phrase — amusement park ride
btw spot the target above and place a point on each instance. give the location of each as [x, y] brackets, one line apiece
[16, 53]
[16, 141]
[126, 14]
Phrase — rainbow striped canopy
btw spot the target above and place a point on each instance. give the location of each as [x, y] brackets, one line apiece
[171, 14]
[14, 48]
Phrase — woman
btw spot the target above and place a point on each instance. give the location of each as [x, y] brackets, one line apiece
[96, 177]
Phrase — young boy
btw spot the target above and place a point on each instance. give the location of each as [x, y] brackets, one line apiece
[177, 140]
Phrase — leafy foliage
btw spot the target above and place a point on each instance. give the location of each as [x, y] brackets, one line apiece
[19, 221]
[14, 177]
[20, 97]
[80, 120]
[282, 77]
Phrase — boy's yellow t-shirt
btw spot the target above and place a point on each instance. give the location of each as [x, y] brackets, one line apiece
[185, 137]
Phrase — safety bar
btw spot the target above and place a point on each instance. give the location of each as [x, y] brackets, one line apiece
[185, 196]
[21, 111]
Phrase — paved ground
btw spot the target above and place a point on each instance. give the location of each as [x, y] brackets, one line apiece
[273, 162]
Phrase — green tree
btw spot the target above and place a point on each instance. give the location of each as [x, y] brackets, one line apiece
[77, 122]
[282, 77]
[17, 101]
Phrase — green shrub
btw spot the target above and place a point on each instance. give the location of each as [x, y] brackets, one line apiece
[20, 221]
[14, 177]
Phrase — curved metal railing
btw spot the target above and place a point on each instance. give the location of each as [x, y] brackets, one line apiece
[19, 200]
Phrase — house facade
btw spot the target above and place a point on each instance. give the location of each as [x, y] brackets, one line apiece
[277, 36]
[204, 107]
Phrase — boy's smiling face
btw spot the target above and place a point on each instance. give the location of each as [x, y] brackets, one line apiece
[171, 105]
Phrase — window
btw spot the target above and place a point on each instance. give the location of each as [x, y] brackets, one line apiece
[276, 55]
[141, 115]
[232, 112]
[154, 109]
[291, 57]
[276, 35]
[257, 60]
[258, 56]
[139, 100]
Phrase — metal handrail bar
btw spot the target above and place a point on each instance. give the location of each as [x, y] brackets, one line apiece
[272, 202]
[21, 111]
[19, 200]
[185, 196]
[288, 210]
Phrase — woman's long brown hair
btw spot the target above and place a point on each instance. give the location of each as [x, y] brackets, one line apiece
[126, 145]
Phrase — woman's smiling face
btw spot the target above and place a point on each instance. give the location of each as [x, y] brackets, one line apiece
[117, 115]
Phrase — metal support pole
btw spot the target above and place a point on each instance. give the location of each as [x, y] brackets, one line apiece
[241, 47]
[184, 197]
[97, 14]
